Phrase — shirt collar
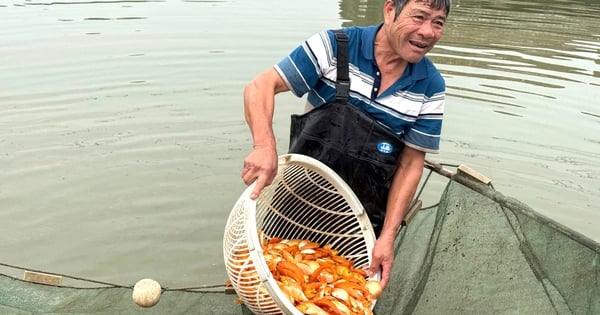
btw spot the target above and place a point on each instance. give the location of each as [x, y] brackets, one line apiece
[368, 41]
[416, 71]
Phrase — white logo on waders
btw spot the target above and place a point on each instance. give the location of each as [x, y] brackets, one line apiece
[385, 148]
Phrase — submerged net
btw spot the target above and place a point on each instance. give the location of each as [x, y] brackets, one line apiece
[90, 297]
[480, 252]
[477, 252]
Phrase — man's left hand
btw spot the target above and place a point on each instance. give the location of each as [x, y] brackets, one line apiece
[383, 258]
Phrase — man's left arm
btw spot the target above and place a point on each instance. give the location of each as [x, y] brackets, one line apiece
[404, 185]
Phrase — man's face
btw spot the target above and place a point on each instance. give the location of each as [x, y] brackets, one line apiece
[415, 31]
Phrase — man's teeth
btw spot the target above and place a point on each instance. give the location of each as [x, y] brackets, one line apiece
[420, 45]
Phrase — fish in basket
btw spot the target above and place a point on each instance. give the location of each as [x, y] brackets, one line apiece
[301, 246]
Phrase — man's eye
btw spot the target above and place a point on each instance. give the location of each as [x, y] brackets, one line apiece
[418, 18]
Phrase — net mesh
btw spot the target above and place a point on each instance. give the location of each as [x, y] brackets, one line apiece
[480, 252]
[22, 297]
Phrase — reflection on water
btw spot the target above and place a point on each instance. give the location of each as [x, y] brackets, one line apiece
[122, 135]
[361, 12]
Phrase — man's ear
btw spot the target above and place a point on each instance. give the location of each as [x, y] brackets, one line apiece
[389, 11]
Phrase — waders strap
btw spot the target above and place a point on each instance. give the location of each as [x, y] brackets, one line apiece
[342, 84]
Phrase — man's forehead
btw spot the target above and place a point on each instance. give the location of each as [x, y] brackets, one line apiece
[425, 6]
[436, 5]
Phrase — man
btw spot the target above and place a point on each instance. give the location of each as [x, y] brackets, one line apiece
[390, 79]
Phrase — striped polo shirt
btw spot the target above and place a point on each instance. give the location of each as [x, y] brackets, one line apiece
[412, 107]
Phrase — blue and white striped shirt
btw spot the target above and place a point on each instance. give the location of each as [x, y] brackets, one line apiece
[412, 107]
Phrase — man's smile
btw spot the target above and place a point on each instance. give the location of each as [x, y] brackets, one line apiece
[419, 44]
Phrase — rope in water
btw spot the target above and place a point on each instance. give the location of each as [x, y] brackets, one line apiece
[197, 289]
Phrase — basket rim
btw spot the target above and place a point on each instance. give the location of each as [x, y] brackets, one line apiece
[252, 233]
[260, 264]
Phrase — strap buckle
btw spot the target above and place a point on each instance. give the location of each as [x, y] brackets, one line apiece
[342, 89]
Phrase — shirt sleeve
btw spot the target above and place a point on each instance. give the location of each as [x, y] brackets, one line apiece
[425, 133]
[305, 65]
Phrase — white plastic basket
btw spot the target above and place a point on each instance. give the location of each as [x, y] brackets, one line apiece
[306, 200]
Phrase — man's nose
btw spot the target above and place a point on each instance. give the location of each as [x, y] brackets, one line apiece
[427, 29]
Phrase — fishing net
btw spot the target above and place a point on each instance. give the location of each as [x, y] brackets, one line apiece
[477, 252]
[480, 252]
[89, 297]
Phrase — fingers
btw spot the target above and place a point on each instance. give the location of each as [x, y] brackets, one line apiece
[260, 167]
[373, 269]
[260, 184]
[383, 265]
[248, 180]
[385, 275]
[250, 175]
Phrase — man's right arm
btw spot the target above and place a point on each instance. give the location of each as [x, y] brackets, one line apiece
[259, 105]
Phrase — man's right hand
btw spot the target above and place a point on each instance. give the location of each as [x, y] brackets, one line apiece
[260, 166]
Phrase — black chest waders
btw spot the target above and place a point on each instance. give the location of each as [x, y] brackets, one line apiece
[361, 150]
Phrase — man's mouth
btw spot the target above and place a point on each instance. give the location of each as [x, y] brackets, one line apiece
[419, 44]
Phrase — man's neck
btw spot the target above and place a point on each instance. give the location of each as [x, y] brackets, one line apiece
[390, 64]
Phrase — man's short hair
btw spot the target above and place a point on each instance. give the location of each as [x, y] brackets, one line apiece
[435, 4]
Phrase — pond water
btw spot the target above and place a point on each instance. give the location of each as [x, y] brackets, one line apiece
[122, 133]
